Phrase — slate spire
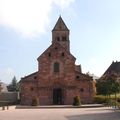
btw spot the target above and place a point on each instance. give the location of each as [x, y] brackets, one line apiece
[60, 25]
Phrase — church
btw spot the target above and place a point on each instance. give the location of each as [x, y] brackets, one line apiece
[58, 79]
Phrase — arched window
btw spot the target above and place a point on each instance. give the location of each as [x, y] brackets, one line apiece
[63, 54]
[64, 38]
[31, 88]
[56, 67]
[57, 38]
[77, 77]
[49, 54]
[81, 90]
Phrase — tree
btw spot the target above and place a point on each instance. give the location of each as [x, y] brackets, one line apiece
[115, 90]
[108, 85]
[14, 85]
[0, 88]
[103, 87]
[115, 85]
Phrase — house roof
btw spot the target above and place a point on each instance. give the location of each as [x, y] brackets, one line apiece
[113, 68]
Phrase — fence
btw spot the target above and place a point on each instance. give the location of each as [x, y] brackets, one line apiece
[8, 98]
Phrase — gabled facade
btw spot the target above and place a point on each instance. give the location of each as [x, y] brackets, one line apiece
[113, 69]
[58, 80]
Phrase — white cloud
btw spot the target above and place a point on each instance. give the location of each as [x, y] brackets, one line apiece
[63, 3]
[6, 75]
[28, 17]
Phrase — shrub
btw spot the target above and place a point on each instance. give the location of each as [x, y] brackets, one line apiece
[100, 99]
[35, 101]
[118, 105]
[118, 99]
[76, 101]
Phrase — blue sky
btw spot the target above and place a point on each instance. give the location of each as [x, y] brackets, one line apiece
[25, 32]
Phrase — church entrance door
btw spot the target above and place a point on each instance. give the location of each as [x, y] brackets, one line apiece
[57, 96]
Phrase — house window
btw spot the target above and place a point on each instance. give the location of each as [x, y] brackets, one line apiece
[35, 77]
[56, 67]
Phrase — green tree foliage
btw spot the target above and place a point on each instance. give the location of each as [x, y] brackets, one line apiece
[14, 85]
[108, 85]
[102, 88]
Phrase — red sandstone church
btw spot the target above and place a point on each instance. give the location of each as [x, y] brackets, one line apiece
[58, 80]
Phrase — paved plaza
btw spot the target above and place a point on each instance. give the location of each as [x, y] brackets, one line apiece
[102, 113]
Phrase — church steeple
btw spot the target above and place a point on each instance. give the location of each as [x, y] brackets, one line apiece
[60, 25]
[60, 34]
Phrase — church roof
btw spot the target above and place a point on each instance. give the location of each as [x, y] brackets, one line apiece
[113, 68]
[60, 25]
[25, 79]
[52, 47]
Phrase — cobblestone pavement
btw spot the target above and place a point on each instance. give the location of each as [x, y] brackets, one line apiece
[102, 113]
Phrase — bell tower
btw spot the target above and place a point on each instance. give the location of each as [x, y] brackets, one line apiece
[60, 34]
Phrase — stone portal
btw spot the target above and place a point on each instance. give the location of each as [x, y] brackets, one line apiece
[57, 96]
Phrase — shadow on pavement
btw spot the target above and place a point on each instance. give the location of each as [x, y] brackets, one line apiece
[96, 116]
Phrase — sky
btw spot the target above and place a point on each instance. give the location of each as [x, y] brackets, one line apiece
[25, 33]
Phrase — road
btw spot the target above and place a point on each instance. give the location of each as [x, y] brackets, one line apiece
[102, 113]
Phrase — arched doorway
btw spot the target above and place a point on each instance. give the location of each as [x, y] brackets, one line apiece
[57, 96]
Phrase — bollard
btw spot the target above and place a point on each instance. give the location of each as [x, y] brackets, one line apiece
[3, 107]
[7, 107]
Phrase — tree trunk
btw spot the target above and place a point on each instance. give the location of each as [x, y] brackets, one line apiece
[115, 100]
